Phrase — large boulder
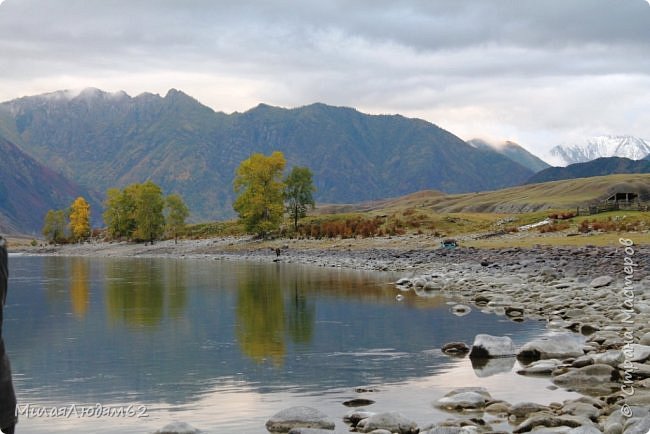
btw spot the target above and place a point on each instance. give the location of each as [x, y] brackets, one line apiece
[638, 370]
[645, 339]
[309, 431]
[487, 346]
[601, 281]
[551, 421]
[178, 428]
[523, 409]
[452, 430]
[610, 357]
[464, 398]
[353, 417]
[455, 348]
[540, 367]
[592, 377]
[298, 417]
[642, 426]
[560, 346]
[636, 352]
[589, 429]
[390, 421]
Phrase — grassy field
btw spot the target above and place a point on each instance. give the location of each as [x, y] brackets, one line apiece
[567, 194]
[463, 215]
[489, 219]
[471, 217]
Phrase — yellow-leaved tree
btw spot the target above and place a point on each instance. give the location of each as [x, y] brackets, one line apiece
[80, 219]
[260, 189]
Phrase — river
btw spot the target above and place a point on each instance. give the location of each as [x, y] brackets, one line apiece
[223, 345]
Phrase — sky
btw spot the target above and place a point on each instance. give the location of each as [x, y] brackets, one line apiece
[540, 73]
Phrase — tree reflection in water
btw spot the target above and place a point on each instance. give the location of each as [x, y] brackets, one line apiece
[55, 275]
[135, 292]
[301, 316]
[260, 316]
[79, 294]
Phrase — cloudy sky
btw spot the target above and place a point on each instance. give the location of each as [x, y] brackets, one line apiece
[540, 73]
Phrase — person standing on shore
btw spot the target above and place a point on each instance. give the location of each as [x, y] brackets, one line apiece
[8, 416]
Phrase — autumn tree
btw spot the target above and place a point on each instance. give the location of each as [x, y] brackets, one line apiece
[119, 213]
[298, 193]
[260, 200]
[175, 214]
[135, 212]
[54, 226]
[148, 213]
[80, 219]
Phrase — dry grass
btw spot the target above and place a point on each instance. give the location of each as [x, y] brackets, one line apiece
[562, 195]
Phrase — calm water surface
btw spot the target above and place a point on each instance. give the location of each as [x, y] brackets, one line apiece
[224, 345]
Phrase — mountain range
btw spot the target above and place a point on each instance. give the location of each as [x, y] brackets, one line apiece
[598, 167]
[630, 147]
[28, 190]
[513, 151]
[101, 140]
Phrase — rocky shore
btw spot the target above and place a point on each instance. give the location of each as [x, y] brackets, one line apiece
[594, 300]
[596, 303]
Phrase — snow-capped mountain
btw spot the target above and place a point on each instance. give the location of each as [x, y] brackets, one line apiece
[630, 147]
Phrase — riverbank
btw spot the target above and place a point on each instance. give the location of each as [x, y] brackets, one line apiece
[397, 253]
[599, 293]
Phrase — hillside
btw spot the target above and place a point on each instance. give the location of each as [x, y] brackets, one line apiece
[103, 140]
[565, 194]
[513, 151]
[598, 167]
[28, 190]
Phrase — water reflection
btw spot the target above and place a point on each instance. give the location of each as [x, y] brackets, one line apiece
[183, 335]
[300, 316]
[55, 276]
[79, 293]
[489, 367]
[135, 292]
[176, 287]
[269, 313]
[260, 314]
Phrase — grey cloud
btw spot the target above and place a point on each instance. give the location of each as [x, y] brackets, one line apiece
[515, 58]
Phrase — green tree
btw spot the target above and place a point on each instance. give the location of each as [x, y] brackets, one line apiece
[80, 219]
[175, 214]
[148, 212]
[258, 183]
[119, 213]
[298, 193]
[54, 226]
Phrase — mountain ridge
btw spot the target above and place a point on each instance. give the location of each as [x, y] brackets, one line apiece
[515, 152]
[630, 147]
[106, 140]
[28, 190]
[598, 167]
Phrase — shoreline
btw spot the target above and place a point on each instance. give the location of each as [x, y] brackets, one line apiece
[575, 290]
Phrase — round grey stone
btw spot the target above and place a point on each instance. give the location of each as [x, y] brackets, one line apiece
[601, 281]
[298, 417]
[486, 346]
[178, 428]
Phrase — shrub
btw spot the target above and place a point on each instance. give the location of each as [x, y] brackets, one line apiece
[553, 227]
[348, 228]
[583, 227]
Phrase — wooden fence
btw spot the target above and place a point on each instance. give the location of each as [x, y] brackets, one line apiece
[612, 206]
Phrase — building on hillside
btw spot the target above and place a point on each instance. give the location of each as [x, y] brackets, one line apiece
[626, 198]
